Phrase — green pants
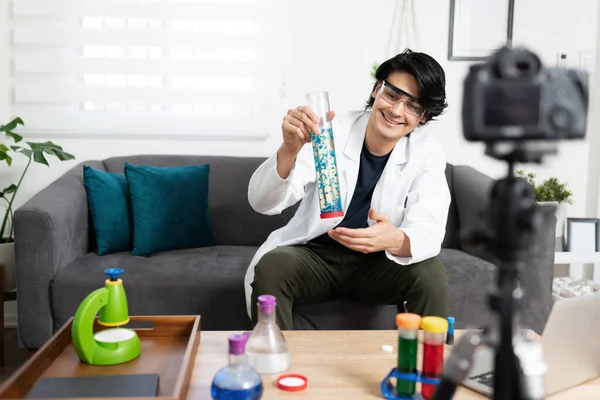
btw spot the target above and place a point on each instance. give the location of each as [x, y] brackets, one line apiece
[313, 273]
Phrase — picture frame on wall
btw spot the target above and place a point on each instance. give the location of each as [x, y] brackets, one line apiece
[583, 235]
[478, 28]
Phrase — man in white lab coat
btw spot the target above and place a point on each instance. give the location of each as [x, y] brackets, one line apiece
[394, 194]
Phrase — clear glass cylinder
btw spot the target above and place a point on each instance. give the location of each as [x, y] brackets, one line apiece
[267, 349]
[330, 200]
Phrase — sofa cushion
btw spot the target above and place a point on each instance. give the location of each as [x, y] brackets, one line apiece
[470, 281]
[110, 209]
[227, 195]
[206, 281]
[209, 282]
[170, 207]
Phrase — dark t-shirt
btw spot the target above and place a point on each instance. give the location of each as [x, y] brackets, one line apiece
[370, 170]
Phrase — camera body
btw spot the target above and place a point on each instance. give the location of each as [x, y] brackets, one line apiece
[512, 97]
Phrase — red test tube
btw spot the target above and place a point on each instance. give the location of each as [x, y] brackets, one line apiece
[434, 331]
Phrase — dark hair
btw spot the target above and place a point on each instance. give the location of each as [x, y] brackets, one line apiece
[428, 73]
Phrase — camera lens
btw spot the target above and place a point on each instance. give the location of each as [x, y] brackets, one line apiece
[561, 118]
[517, 63]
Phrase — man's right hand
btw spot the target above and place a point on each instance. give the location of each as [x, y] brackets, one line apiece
[296, 127]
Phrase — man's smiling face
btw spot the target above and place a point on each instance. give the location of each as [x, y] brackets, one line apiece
[396, 111]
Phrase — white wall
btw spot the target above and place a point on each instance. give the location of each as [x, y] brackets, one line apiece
[4, 64]
[545, 26]
[550, 27]
[593, 179]
[10, 308]
[338, 57]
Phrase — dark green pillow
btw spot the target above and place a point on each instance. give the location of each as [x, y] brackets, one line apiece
[108, 200]
[170, 207]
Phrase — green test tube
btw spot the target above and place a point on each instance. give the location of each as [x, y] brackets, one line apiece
[408, 328]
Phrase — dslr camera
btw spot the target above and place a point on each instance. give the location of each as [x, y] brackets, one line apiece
[512, 97]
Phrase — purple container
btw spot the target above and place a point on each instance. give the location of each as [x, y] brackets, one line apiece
[266, 304]
[237, 345]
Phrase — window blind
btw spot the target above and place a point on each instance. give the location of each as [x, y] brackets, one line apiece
[144, 67]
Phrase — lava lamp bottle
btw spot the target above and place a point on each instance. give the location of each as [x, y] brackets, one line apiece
[328, 184]
[237, 381]
[266, 348]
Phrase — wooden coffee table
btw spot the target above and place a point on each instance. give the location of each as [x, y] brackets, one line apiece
[338, 364]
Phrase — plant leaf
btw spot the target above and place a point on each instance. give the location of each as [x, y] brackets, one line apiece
[22, 150]
[62, 155]
[10, 189]
[38, 157]
[16, 138]
[44, 145]
[51, 149]
[34, 146]
[551, 190]
[4, 155]
[11, 125]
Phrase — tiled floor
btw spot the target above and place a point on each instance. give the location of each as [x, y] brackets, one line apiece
[15, 356]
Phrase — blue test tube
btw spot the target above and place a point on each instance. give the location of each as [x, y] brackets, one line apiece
[450, 333]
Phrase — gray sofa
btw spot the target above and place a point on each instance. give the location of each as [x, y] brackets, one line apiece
[56, 266]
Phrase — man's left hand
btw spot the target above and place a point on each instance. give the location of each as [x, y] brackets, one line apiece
[382, 235]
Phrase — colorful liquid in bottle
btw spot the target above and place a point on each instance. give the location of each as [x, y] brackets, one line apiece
[327, 174]
[407, 363]
[252, 393]
[433, 366]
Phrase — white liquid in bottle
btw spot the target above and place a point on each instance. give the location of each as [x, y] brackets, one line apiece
[266, 349]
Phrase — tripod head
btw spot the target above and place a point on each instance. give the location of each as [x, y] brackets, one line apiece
[520, 111]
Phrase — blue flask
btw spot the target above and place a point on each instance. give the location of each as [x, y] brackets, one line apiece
[237, 381]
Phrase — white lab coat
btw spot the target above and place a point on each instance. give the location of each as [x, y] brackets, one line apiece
[414, 175]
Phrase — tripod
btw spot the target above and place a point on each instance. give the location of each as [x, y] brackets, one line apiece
[513, 220]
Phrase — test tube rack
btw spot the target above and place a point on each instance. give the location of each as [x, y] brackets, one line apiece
[388, 389]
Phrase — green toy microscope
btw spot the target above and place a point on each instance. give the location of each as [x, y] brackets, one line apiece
[110, 346]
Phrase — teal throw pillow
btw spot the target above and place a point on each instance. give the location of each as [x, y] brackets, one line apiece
[170, 207]
[108, 201]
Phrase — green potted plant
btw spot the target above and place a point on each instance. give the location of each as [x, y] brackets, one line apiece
[33, 152]
[551, 190]
[374, 70]
[551, 193]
